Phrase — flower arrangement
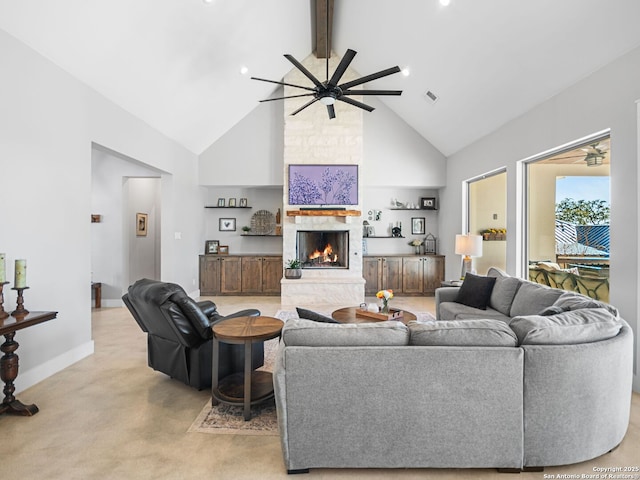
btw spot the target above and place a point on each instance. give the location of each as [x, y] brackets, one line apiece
[494, 233]
[385, 296]
[416, 242]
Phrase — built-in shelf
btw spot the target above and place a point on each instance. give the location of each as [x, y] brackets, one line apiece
[259, 235]
[382, 236]
[415, 209]
[323, 213]
[215, 206]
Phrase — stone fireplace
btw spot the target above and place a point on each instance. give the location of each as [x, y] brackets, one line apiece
[311, 138]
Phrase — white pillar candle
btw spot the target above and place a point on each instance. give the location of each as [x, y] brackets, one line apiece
[3, 268]
[21, 274]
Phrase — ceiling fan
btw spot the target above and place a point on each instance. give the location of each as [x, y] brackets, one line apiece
[594, 154]
[330, 91]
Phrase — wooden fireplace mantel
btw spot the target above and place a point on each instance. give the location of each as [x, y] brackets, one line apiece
[323, 213]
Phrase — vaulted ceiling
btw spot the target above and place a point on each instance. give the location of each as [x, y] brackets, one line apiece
[176, 63]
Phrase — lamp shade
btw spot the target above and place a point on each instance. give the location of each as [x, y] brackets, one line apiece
[469, 245]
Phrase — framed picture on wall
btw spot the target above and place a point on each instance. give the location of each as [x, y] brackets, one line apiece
[232, 202]
[428, 203]
[227, 224]
[417, 226]
[142, 220]
[223, 250]
[243, 202]
[221, 202]
[211, 247]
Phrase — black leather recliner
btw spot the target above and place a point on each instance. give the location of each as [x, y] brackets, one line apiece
[179, 335]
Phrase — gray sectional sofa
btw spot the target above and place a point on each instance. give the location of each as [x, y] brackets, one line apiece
[531, 391]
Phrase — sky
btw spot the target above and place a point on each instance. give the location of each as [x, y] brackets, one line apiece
[582, 188]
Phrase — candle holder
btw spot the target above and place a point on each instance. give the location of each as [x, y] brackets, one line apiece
[20, 311]
[3, 314]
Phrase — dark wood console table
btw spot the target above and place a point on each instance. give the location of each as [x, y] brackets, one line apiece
[9, 361]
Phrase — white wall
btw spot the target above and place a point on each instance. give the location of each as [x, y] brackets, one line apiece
[48, 122]
[606, 99]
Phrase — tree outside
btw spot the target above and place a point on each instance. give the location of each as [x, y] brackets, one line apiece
[583, 212]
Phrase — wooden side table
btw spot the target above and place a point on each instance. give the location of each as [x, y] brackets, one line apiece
[9, 361]
[252, 387]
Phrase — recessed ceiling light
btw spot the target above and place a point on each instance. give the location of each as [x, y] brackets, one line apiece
[445, 3]
[243, 70]
[207, 1]
[406, 71]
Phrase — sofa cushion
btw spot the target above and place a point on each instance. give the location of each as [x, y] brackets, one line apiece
[532, 298]
[566, 328]
[479, 332]
[457, 311]
[504, 291]
[476, 291]
[573, 301]
[315, 316]
[308, 333]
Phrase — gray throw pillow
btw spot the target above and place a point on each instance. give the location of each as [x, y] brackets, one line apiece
[315, 316]
[566, 328]
[475, 291]
[504, 291]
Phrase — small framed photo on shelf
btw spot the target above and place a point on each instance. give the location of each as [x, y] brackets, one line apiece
[211, 247]
[417, 226]
[243, 202]
[223, 249]
[227, 224]
[221, 202]
[232, 202]
[428, 203]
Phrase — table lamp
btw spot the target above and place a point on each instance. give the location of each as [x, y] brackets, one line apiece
[468, 246]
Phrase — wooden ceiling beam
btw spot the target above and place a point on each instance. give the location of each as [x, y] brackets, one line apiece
[324, 29]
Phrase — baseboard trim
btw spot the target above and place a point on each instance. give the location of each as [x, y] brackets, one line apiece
[30, 377]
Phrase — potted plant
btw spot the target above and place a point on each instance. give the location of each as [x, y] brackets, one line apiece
[246, 229]
[293, 269]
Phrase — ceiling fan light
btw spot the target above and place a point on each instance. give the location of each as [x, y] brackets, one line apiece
[328, 100]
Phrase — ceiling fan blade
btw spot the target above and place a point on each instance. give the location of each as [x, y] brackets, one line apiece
[372, 92]
[290, 96]
[305, 106]
[332, 111]
[342, 67]
[282, 83]
[356, 103]
[368, 78]
[568, 157]
[302, 68]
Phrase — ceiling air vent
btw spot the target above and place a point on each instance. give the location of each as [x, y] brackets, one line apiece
[430, 97]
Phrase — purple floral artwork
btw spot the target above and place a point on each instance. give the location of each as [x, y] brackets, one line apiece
[323, 184]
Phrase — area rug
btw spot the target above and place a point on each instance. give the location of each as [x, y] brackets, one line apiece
[227, 419]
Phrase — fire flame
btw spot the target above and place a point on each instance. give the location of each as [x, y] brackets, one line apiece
[326, 255]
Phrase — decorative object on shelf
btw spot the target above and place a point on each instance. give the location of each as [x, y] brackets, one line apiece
[428, 203]
[3, 267]
[232, 202]
[375, 215]
[263, 222]
[278, 217]
[96, 218]
[416, 243]
[227, 224]
[246, 229]
[385, 296]
[430, 244]
[20, 274]
[489, 234]
[20, 311]
[221, 202]
[293, 269]
[278, 230]
[368, 230]
[243, 202]
[3, 314]
[211, 247]
[323, 185]
[223, 249]
[396, 231]
[468, 246]
[142, 220]
[417, 226]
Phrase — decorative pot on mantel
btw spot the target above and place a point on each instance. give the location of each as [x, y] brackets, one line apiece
[293, 273]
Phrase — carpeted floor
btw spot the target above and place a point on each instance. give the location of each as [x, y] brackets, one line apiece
[227, 419]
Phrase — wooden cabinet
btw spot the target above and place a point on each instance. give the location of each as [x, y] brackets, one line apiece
[422, 274]
[406, 274]
[240, 275]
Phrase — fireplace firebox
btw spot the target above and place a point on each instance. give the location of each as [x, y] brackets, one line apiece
[323, 249]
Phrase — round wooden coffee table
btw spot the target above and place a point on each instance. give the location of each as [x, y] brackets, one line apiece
[253, 386]
[348, 315]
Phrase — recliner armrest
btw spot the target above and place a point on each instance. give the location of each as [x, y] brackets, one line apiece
[250, 312]
[208, 307]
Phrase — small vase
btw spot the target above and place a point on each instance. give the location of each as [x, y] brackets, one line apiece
[385, 307]
[417, 249]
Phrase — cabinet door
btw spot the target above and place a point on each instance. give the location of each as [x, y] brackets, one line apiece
[231, 276]
[251, 274]
[433, 269]
[372, 273]
[271, 274]
[412, 273]
[209, 275]
[392, 274]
